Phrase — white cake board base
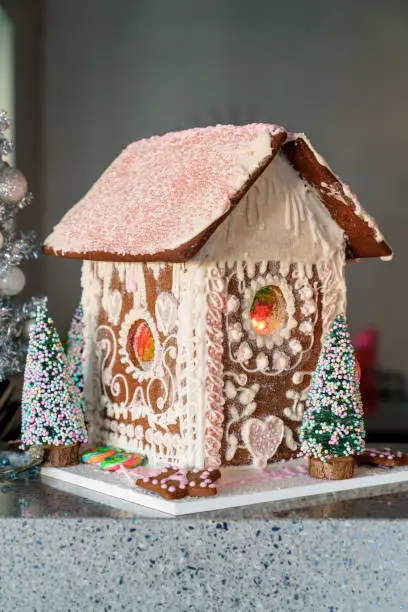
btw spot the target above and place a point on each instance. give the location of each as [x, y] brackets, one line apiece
[237, 487]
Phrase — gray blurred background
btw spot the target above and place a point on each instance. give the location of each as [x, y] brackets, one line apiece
[93, 75]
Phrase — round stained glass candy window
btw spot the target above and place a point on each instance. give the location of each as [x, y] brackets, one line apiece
[143, 343]
[268, 310]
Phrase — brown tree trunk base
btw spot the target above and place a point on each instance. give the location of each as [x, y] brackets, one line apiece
[62, 456]
[334, 468]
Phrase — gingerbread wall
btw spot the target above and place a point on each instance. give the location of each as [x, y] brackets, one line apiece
[175, 370]
[146, 358]
[266, 378]
[132, 351]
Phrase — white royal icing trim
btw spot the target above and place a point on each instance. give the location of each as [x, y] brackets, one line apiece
[214, 417]
[281, 218]
[277, 354]
[192, 362]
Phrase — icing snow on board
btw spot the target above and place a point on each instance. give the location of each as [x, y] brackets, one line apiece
[238, 486]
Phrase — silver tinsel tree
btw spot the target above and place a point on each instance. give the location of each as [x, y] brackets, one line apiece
[14, 247]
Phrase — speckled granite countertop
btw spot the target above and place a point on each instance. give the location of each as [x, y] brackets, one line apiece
[338, 554]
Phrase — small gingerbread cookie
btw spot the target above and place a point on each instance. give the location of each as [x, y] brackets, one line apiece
[385, 457]
[173, 483]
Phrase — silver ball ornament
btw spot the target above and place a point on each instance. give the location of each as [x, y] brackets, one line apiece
[13, 283]
[13, 186]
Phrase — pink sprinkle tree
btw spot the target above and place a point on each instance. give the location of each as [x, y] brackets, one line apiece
[51, 416]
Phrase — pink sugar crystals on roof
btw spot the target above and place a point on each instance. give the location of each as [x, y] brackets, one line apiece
[163, 197]
[163, 191]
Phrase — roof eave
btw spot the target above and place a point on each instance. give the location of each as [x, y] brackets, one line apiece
[363, 237]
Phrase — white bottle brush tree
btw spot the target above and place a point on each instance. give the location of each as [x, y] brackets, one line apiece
[14, 247]
[52, 415]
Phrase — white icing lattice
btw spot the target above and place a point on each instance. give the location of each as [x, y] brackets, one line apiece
[277, 352]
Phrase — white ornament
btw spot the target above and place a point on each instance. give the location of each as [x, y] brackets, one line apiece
[13, 283]
[13, 186]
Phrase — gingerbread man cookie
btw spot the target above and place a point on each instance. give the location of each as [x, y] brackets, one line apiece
[173, 483]
[385, 457]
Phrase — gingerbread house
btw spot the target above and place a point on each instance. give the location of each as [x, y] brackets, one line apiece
[214, 264]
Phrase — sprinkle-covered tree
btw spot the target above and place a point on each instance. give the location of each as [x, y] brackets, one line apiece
[333, 428]
[51, 417]
[75, 351]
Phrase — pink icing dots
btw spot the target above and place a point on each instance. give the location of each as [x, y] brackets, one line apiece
[172, 489]
[142, 472]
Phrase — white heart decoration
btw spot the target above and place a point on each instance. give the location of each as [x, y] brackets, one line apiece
[262, 438]
[166, 312]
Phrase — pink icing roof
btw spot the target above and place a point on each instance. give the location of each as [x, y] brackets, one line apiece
[162, 192]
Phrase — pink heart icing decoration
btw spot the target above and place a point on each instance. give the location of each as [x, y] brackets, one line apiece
[262, 438]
